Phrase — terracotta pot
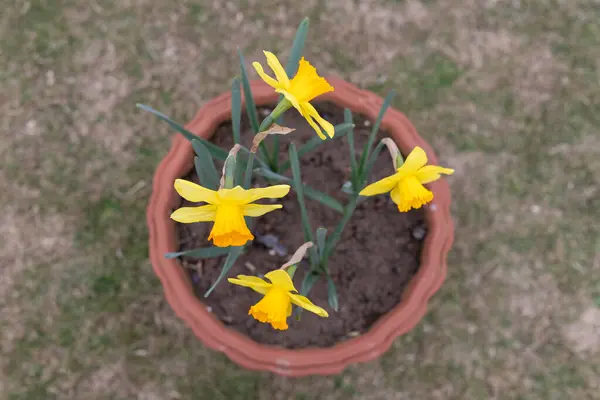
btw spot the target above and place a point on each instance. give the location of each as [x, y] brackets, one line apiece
[243, 350]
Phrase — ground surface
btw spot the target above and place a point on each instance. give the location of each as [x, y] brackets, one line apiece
[506, 91]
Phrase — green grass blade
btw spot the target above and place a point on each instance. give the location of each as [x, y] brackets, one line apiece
[340, 131]
[321, 234]
[205, 167]
[215, 150]
[299, 188]
[250, 106]
[204, 252]
[308, 191]
[332, 297]
[229, 261]
[369, 145]
[236, 109]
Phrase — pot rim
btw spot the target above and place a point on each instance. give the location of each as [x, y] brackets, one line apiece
[310, 361]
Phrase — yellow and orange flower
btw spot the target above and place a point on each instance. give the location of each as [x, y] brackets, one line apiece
[279, 295]
[406, 185]
[300, 90]
[227, 208]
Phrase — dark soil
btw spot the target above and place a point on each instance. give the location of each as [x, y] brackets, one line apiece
[371, 266]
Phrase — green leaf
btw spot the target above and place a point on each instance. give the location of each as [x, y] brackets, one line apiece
[250, 106]
[249, 168]
[297, 48]
[215, 150]
[292, 270]
[204, 252]
[348, 120]
[323, 199]
[337, 233]
[308, 191]
[369, 145]
[229, 261]
[340, 131]
[299, 188]
[205, 167]
[236, 109]
[332, 297]
[308, 282]
[321, 234]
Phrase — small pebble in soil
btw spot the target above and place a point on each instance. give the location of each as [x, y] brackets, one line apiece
[227, 319]
[195, 277]
[367, 122]
[250, 266]
[265, 111]
[209, 309]
[271, 242]
[354, 334]
[419, 232]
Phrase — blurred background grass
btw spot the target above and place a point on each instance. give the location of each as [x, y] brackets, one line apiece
[507, 92]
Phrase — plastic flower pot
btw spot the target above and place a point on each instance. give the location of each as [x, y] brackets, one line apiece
[311, 361]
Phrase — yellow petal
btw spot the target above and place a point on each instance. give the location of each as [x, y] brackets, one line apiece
[305, 303]
[275, 65]
[188, 215]
[230, 228]
[268, 80]
[410, 193]
[256, 210]
[273, 308]
[382, 186]
[305, 113]
[307, 84]
[430, 173]
[269, 192]
[415, 160]
[196, 193]
[327, 127]
[253, 282]
[281, 279]
[291, 98]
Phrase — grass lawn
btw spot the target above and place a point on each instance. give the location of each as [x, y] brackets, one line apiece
[507, 92]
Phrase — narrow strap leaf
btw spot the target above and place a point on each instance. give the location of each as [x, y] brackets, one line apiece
[308, 191]
[236, 109]
[229, 261]
[308, 232]
[204, 252]
[205, 167]
[321, 234]
[348, 120]
[250, 106]
[215, 150]
[340, 131]
[308, 282]
[332, 297]
[369, 145]
[297, 48]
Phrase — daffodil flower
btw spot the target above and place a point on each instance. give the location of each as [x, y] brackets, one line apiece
[279, 295]
[406, 185]
[227, 208]
[300, 90]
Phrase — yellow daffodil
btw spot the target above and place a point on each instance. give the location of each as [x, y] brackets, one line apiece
[300, 90]
[279, 295]
[406, 185]
[227, 208]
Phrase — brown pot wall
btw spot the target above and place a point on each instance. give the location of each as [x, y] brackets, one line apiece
[241, 349]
